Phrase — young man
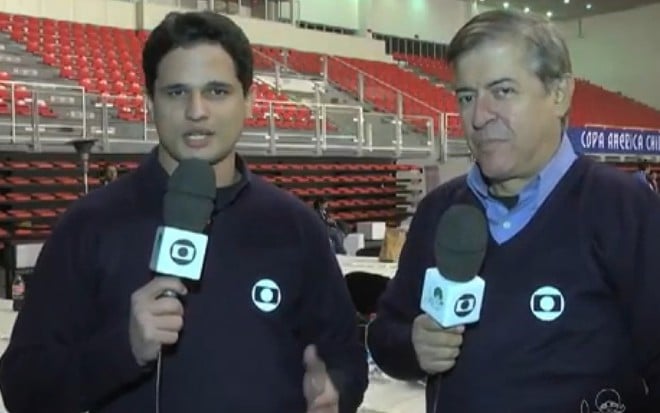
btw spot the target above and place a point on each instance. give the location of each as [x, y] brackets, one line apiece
[570, 315]
[93, 325]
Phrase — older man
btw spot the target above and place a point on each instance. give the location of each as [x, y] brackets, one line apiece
[570, 320]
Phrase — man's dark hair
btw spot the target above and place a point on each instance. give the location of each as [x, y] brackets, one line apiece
[186, 29]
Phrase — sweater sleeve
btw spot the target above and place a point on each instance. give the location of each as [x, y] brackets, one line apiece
[330, 321]
[627, 245]
[389, 334]
[58, 358]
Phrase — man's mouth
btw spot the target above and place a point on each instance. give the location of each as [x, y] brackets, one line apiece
[197, 139]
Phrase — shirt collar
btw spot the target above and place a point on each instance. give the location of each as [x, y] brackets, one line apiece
[153, 178]
[228, 195]
[541, 185]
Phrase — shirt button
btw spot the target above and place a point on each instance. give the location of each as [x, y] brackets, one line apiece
[506, 225]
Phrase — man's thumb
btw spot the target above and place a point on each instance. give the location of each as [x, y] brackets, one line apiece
[311, 359]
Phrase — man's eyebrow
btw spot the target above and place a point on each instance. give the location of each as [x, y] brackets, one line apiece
[501, 80]
[213, 83]
[173, 86]
[219, 83]
[463, 89]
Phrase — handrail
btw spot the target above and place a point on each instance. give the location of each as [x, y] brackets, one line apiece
[309, 104]
[289, 69]
[438, 111]
[357, 138]
[277, 62]
[387, 85]
[43, 85]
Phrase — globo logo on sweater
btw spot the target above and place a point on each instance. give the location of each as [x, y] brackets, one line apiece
[266, 295]
[547, 303]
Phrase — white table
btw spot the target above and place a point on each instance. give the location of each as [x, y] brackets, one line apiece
[393, 396]
[350, 264]
[385, 394]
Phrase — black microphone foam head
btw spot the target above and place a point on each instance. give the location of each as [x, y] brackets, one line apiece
[460, 242]
[190, 195]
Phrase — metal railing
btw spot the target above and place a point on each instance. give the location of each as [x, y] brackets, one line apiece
[381, 95]
[24, 106]
[60, 113]
[380, 84]
[400, 122]
[272, 10]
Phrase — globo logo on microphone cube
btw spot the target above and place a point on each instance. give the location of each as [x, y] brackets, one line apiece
[452, 303]
[179, 253]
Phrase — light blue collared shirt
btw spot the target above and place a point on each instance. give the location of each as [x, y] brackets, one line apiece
[504, 223]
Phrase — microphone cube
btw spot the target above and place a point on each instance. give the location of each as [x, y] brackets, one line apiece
[452, 303]
[178, 253]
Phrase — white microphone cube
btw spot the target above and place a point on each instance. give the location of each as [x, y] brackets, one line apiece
[452, 303]
[178, 253]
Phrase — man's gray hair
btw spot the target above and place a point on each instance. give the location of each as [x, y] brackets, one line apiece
[548, 54]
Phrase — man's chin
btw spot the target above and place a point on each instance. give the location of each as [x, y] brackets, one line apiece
[211, 154]
[207, 154]
[493, 172]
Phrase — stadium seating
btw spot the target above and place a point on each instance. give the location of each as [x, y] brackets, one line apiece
[592, 104]
[36, 187]
[21, 100]
[382, 83]
[419, 96]
[431, 66]
[107, 61]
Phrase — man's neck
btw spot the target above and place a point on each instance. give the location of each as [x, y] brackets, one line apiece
[225, 170]
[508, 188]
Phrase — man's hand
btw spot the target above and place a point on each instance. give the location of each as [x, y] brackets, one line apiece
[320, 393]
[437, 348]
[155, 320]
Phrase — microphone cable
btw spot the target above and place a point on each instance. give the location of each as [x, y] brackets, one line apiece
[159, 377]
[159, 359]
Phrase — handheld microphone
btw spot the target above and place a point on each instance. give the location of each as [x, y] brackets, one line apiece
[180, 244]
[453, 292]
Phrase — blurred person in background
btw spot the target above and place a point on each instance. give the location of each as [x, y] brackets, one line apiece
[109, 174]
[336, 230]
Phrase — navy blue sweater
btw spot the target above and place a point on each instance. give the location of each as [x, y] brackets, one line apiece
[596, 239]
[70, 352]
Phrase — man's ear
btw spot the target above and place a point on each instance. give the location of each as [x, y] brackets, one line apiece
[563, 94]
[150, 106]
[249, 100]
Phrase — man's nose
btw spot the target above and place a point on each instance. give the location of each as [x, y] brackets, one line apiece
[196, 108]
[483, 111]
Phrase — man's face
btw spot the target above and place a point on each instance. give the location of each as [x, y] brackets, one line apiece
[111, 172]
[198, 104]
[512, 122]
